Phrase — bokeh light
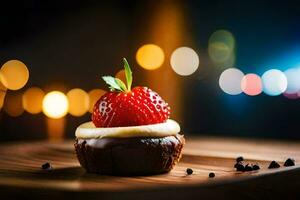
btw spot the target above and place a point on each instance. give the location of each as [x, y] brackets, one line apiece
[219, 52]
[2, 94]
[78, 102]
[121, 75]
[94, 95]
[221, 46]
[230, 81]
[2, 97]
[291, 95]
[223, 36]
[55, 104]
[251, 84]
[293, 80]
[14, 74]
[274, 82]
[56, 129]
[13, 104]
[150, 56]
[184, 61]
[33, 100]
[2, 87]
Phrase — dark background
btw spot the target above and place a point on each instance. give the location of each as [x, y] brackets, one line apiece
[68, 44]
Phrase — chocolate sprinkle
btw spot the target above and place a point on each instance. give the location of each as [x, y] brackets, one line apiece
[239, 167]
[46, 166]
[289, 162]
[273, 165]
[255, 167]
[239, 159]
[211, 175]
[236, 165]
[248, 168]
[189, 171]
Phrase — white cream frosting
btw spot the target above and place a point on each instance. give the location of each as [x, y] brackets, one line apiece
[88, 130]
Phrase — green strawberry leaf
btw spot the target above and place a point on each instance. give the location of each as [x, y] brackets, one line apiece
[113, 84]
[121, 84]
[111, 89]
[128, 74]
[116, 84]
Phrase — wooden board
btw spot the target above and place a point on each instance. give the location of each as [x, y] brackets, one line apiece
[20, 168]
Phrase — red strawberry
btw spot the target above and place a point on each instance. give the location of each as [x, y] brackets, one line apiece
[140, 106]
[126, 107]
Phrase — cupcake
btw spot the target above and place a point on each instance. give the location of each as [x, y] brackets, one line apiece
[130, 132]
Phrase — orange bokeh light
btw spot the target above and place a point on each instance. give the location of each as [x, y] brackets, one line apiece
[150, 56]
[13, 104]
[2, 94]
[121, 75]
[2, 97]
[33, 100]
[78, 102]
[94, 95]
[14, 74]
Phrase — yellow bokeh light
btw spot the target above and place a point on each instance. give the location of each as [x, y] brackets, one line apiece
[55, 104]
[221, 47]
[150, 56]
[13, 104]
[94, 96]
[184, 61]
[33, 100]
[78, 102]
[14, 74]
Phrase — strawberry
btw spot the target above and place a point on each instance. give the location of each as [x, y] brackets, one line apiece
[123, 106]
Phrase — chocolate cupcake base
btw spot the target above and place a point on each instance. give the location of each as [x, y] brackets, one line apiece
[129, 156]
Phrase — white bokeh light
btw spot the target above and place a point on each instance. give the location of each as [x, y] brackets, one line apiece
[55, 104]
[274, 82]
[230, 81]
[293, 80]
[184, 61]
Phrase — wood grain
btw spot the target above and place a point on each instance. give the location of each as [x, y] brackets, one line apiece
[20, 168]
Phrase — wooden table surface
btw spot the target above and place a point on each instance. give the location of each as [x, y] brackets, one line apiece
[21, 174]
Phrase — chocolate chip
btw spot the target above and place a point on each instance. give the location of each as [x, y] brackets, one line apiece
[248, 168]
[239, 159]
[237, 164]
[211, 175]
[289, 162]
[239, 167]
[46, 166]
[189, 171]
[273, 164]
[255, 167]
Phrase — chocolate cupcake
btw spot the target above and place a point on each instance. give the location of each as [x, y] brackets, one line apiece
[130, 132]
